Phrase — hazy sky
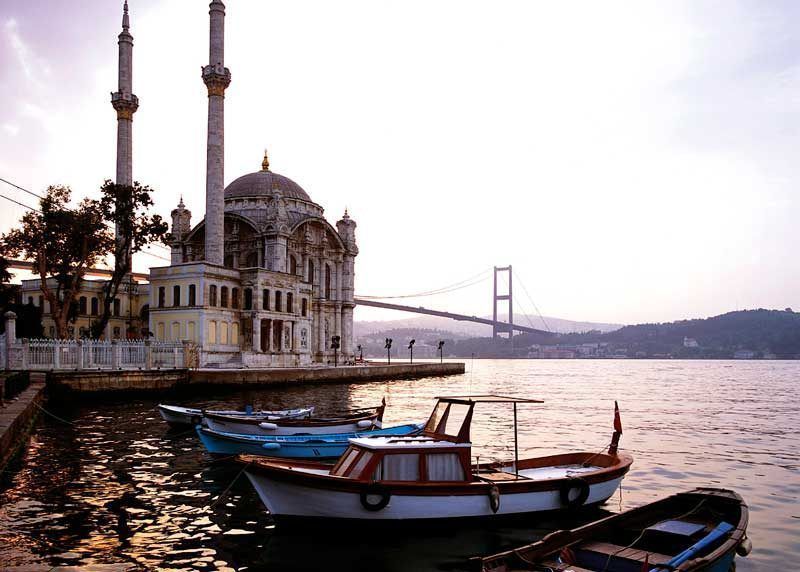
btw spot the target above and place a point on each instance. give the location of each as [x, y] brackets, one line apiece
[634, 161]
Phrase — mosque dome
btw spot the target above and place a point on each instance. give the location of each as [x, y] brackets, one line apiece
[261, 184]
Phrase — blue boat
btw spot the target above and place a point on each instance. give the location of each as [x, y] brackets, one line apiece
[325, 446]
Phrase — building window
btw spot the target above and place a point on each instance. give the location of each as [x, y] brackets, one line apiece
[289, 302]
[162, 296]
[212, 332]
[160, 331]
[30, 300]
[265, 299]
[311, 271]
[235, 333]
[223, 332]
[212, 295]
[223, 296]
[248, 298]
[176, 295]
[41, 302]
[327, 282]
[82, 305]
[304, 307]
[116, 307]
[303, 337]
[176, 330]
[95, 306]
[292, 265]
[192, 295]
[235, 298]
[278, 301]
[190, 333]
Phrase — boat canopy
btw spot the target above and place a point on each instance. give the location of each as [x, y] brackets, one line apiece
[452, 416]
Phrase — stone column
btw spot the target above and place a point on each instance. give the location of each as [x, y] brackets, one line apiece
[217, 78]
[256, 333]
[347, 331]
[11, 336]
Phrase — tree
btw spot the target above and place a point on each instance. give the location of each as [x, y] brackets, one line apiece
[127, 209]
[61, 243]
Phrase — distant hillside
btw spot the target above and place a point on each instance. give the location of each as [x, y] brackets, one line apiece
[748, 334]
[473, 330]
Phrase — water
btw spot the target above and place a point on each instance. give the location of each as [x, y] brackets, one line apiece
[687, 423]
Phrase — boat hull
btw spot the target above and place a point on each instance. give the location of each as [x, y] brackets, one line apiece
[242, 426]
[315, 447]
[293, 502]
[297, 489]
[178, 416]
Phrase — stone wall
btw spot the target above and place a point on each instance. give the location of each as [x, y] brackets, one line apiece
[17, 417]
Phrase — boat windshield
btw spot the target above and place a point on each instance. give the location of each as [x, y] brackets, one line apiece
[448, 419]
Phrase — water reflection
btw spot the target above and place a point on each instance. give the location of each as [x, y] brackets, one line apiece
[116, 488]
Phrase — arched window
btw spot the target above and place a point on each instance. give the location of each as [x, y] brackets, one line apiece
[176, 295]
[176, 331]
[223, 332]
[192, 295]
[265, 299]
[278, 301]
[235, 333]
[160, 330]
[304, 307]
[223, 296]
[212, 332]
[234, 298]
[117, 307]
[252, 260]
[327, 282]
[292, 264]
[212, 295]
[82, 305]
[289, 302]
[311, 271]
[248, 299]
[190, 333]
[162, 296]
[95, 306]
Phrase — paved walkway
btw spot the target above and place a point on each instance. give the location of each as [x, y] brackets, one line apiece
[17, 416]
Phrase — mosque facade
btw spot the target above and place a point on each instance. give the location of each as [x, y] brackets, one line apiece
[264, 279]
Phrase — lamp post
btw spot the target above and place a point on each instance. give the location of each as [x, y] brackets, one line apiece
[388, 347]
[360, 352]
[335, 345]
[441, 351]
[411, 348]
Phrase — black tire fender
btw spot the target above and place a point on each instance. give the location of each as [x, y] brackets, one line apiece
[494, 498]
[375, 489]
[568, 486]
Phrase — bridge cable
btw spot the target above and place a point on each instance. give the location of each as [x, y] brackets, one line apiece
[466, 283]
[546, 325]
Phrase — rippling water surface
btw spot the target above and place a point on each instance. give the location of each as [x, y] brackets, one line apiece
[110, 488]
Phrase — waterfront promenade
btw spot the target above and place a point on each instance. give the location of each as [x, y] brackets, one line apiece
[166, 379]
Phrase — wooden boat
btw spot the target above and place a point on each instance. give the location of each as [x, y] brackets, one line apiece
[176, 415]
[700, 530]
[330, 446]
[357, 421]
[430, 476]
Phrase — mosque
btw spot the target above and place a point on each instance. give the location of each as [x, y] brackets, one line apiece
[264, 279]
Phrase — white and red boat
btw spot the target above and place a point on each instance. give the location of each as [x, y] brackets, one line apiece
[431, 476]
[354, 422]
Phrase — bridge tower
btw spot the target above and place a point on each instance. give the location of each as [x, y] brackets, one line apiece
[502, 297]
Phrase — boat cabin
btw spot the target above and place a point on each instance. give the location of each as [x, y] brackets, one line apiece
[404, 459]
[440, 454]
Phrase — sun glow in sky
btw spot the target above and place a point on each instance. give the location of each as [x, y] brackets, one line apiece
[634, 161]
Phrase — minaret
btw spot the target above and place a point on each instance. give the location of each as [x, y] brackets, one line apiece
[126, 104]
[217, 78]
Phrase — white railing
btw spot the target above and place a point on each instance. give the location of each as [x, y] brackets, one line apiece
[47, 354]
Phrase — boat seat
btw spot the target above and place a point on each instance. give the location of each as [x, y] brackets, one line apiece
[595, 555]
[562, 567]
[495, 476]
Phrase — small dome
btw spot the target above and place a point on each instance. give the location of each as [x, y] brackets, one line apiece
[261, 183]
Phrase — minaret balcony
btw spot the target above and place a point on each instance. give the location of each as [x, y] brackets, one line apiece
[217, 78]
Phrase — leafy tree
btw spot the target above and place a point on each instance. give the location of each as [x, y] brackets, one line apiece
[128, 209]
[61, 243]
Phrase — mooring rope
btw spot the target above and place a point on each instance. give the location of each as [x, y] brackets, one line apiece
[53, 415]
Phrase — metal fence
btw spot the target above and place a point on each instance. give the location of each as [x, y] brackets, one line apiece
[47, 354]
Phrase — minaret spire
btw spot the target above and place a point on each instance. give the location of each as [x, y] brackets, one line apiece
[217, 78]
[125, 103]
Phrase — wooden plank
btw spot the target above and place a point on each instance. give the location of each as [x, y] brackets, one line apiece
[622, 552]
